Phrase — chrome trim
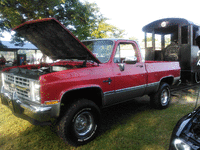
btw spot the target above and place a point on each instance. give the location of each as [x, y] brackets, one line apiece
[132, 92]
[120, 95]
[32, 108]
[109, 92]
[41, 113]
[21, 86]
[130, 88]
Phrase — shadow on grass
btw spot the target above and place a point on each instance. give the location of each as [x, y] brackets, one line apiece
[33, 137]
[117, 114]
[44, 137]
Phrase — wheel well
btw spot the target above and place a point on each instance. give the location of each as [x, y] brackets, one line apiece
[168, 80]
[94, 94]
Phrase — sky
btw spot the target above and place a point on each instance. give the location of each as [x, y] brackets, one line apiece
[132, 15]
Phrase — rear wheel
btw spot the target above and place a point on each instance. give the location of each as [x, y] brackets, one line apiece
[161, 98]
[80, 124]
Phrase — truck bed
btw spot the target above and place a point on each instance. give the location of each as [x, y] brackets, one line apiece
[158, 69]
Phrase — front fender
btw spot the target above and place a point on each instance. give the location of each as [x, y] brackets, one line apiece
[80, 87]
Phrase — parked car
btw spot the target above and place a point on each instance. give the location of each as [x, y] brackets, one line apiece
[186, 133]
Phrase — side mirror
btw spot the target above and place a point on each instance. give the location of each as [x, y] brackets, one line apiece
[131, 60]
[121, 67]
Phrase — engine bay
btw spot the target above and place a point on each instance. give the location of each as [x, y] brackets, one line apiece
[195, 128]
[34, 71]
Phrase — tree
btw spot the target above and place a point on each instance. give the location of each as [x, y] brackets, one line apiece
[105, 30]
[2, 28]
[83, 19]
[149, 39]
[133, 38]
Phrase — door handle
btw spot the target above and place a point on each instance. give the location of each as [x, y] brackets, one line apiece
[109, 81]
[140, 66]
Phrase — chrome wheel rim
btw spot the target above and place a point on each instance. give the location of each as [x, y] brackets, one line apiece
[165, 97]
[84, 123]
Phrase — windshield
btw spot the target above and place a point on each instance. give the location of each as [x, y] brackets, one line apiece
[102, 49]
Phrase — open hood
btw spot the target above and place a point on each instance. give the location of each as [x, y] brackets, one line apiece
[54, 40]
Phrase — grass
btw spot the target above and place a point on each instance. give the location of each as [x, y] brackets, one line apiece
[132, 125]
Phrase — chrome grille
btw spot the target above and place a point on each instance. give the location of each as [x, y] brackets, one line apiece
[22, 81]
[19, 84]
[22, 93]
[9, 87]
[9, 78]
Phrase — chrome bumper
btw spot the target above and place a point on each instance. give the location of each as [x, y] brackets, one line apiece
[34, 113]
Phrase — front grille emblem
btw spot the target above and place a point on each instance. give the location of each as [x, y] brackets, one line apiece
[22, 88]
[12, 85]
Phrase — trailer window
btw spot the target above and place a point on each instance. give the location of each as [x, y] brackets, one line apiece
[195, 35]
[167, 40]
[184, 35]
[157, 42]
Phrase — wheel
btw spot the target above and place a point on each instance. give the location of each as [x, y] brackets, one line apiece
[80, 124]
[161, 98]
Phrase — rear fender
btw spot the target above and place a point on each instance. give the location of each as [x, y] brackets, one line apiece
[168, 79]
[153, 88]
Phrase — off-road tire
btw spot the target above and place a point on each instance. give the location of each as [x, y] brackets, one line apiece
[80, 124]
[161, 99]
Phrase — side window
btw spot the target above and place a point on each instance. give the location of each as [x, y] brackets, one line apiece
[125, 52]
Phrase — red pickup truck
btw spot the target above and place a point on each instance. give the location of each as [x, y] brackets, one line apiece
[86, 77]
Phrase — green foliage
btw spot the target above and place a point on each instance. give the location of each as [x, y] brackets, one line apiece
[149, 39]
[105, 30]
[83, 19]
[133, 38]
[15, 12]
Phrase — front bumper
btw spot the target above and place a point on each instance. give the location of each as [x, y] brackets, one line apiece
[36, 114]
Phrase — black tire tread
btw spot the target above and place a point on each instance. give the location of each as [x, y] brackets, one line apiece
[155, 98]
[61, 125]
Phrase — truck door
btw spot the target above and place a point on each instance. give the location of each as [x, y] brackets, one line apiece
[130, 73]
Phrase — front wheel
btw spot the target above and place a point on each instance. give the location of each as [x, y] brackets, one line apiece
[80, 124]
[161, 98]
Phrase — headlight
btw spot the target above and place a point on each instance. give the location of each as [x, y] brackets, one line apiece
[4, 85]
[35, 90]
[3, 79]
[181, 145]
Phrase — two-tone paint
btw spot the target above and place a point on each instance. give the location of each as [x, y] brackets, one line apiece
[111, 84]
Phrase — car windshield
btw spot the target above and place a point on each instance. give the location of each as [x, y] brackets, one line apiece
[102, 49]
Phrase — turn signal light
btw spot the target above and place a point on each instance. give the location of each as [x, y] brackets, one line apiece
[51, 102]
